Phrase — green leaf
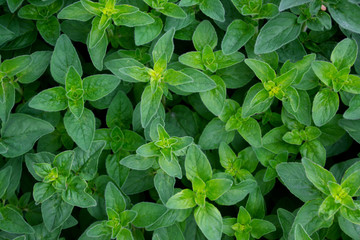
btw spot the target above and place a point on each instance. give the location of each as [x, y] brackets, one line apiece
[98, 53]
[201, 82]
[99, 86]
[116, 172]
[318, 175]
[286, 219]
[285, 4]
[172, 10]
[213, 134]
[182, 200]
[351, 215]
[14, 4]
[81, 130]
[226, 154]
[225, 61]
[346, 14]
[150, 102]
[352, 113]
[114, 199]
[248, 109]
[329, 207]
[86, 162]
[261, 227]
[164, 185]
[120, 111]
[74, 92]
[176, 78]
[31, 160]
[5, 175]
[97, 33]
[101, 229]
[40, 62]
[13, 222]
[250, 130]
[75, 11]
[255, 204]
[7, 100]
[325, 106]
[147, 33]
[15, 65]
[213, 9]
[352, 85]
[300, 233]
[192, 59]
[274, 142]
[350, 182]
[286, 79]
[238, 33]
[50, 100]
[171, 166]
[75, 194]
[49, 29]
[55, 212]
[137, 162]
[307, 216]
[237, 192]
[147, 213]
[149, 150]
[164, 45]
[294, 177]
[352, 127]
[6, 34]
[325, 71]
[215, 188]
[314, 150]
[197, 164]
[43, 191]
[344, 54]
[204, 34]
[63, 57]
[293, 97]
[134, 19]
[24, 129]
[277, 32]
[63, 162]
[303, 114]
[209, 220]
[214, 99]
[124, 234]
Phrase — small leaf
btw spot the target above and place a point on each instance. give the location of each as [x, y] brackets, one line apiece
[197, 164]
[237, 35]
[164, 45]
[325, 106]
[344, 54]
[150, 102]
[277, 32]
[63, 57]
[81, 130]
[209, 220]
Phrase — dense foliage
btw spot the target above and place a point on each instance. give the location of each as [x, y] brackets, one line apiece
[179, 120]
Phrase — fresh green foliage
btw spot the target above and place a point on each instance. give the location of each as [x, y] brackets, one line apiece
[179, 119]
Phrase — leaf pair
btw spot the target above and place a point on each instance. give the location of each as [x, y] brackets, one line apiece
[260, 97]
[336, 76]
[119, 219]
[199, 172]
[244, 226]
[205, 40]
[339, 196]
[164, 149]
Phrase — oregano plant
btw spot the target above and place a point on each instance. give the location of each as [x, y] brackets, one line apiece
[179, 119]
